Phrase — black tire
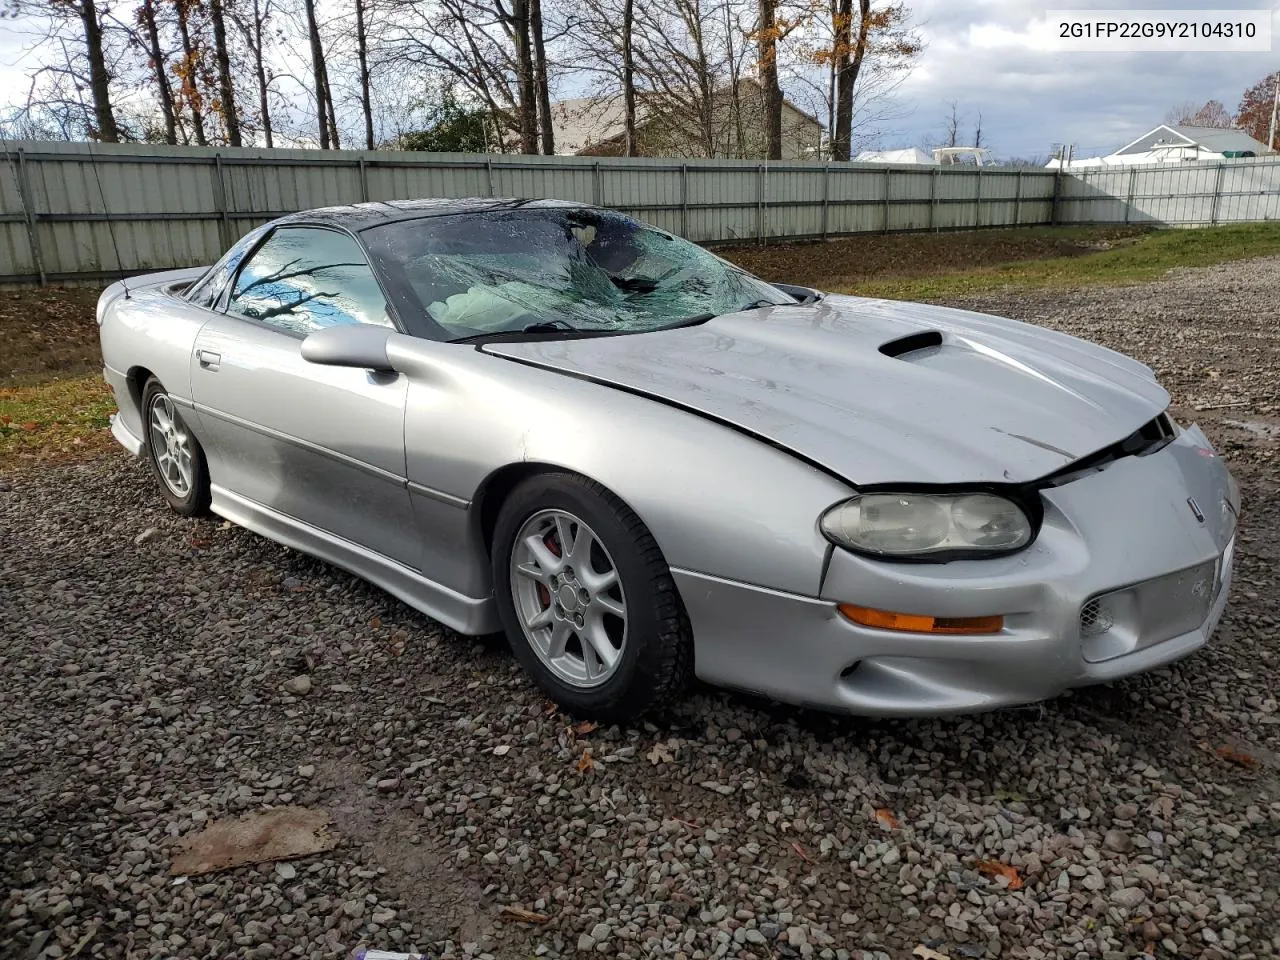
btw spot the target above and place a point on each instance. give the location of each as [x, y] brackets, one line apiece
[656, 660]
[195, 501]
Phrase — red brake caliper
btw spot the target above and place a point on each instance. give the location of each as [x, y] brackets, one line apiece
[553, 545]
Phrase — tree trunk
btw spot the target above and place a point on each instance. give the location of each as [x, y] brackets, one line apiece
[104, 117]
[328, 103]
[261, 70]
[362, 50]
[157, 66]
[317, 71]
[525, 78]
[226, 89]
[540, 78]
[628, 80]
[191, 74]
[850, 50]
[772, 91]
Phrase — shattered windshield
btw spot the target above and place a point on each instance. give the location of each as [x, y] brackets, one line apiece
[583, 269]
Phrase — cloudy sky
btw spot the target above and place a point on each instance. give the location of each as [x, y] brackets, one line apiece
[988, 55]
[991, 56]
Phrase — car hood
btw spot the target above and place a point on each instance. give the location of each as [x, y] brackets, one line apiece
[880, 391]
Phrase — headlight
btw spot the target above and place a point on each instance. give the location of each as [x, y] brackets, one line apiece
[924, 524]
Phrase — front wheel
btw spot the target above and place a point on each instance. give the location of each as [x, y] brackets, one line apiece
[174, 454]
[587, 600]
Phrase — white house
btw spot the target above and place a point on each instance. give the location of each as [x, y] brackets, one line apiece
[1176, 144]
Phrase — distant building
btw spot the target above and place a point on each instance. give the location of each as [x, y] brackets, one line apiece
[1176, 144]
[731, 127]
[909, 155]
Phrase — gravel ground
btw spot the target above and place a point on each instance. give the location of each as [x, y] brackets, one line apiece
[142, 659]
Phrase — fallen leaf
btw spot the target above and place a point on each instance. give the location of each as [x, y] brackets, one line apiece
[199, 543]
[376, 622]
[925, 953]
[659, 754]
[994, 868]
[585, 727]
[1238, 757]
[549, 709]
[886, 819]
[800, 852]
[585, 762]
[31, 426]
[6, 419]
[523, 915]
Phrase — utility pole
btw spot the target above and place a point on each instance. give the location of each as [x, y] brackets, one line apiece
[1275, 105]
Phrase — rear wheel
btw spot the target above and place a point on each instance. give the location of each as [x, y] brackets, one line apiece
[175, 456]
[587, 600]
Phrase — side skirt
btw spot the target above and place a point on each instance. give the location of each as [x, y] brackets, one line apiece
[467, 615]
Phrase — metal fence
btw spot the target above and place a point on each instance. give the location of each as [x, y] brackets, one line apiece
[89, 212]
[1169, 194]
[66, 209]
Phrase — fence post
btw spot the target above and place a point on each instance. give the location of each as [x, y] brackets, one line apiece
[1057, 197]
[364, 182]
[25, 198]
[888, 173]
[826, 197]
[684, 200]
[977, 212]
[1017, 200]
[1128, 200]
[1217, 194]
[761, 169]
[221, 199]
[933, 198]
[597, 185]
[488, 165]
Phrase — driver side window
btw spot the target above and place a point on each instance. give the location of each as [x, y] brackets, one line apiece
[306, 278]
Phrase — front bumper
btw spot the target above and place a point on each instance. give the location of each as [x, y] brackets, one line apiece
[1125, 526]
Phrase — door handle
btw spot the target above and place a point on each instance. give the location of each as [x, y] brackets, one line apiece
[208, 359]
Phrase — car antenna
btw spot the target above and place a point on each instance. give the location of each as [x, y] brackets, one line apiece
[106, 212]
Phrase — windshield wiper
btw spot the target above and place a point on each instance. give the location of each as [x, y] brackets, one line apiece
[548, 326]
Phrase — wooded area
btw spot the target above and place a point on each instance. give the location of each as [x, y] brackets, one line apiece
[460, 75]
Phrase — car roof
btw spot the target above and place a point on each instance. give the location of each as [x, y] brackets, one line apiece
[362, 216]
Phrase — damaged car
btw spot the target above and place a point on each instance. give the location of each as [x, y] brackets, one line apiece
[643, 464]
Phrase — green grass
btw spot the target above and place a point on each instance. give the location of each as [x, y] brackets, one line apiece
[54, 420]
[1145, 258]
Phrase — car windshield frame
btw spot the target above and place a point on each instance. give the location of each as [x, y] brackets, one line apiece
[565, 271]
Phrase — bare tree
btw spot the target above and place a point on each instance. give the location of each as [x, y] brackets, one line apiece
[628, 79]
[222, 59]
[252, 23]
[327, 120]
[977, 131]
[768, 33]
[951, 125]
[362, 51]
[146, 16]
[1210, 114]
[190, 70]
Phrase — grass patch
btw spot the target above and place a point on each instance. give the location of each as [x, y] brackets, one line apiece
[1143, 258]
[54, 421]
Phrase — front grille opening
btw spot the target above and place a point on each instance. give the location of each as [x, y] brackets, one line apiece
[1096, 618]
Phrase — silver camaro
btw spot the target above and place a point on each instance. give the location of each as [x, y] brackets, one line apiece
[643, 464]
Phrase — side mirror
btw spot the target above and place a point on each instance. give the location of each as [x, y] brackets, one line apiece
[349, 345]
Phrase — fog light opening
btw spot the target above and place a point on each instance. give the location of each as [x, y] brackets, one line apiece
[919, 623]
[1096, 618]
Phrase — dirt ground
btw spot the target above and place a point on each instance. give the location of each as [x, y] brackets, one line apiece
[47, 332]
[843, 263]
[150, 683]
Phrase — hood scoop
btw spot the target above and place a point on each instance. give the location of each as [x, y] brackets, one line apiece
[911, 343]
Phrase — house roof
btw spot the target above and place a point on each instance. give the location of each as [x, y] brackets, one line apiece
[583, 122]
[907, 155]
[1210, 139]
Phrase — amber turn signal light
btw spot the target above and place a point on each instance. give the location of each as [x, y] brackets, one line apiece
[918, 623]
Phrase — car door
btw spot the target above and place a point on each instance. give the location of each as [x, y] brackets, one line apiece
[321, 445]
